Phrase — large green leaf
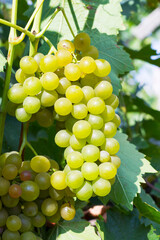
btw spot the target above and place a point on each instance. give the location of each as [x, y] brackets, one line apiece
[2, 61]
[129, 174]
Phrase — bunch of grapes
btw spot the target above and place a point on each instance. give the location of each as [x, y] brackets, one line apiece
[27, 197]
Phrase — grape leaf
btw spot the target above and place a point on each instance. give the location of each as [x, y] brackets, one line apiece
[3, 61]
[157, 185]
[152, 235]
[129, 176]
[121, 226]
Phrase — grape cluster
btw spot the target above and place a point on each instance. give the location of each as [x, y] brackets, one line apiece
[27, 197]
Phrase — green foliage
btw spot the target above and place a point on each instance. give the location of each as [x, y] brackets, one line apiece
[3, 61]
[152, 235]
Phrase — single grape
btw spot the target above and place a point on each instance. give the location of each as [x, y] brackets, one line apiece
[49, 63]
[89, 80]
[25, 175]
[111, 145]
[49, 207]
[63, 106]
[103, 90]
[79, 111]
[82, 41]
[88, 93]
[67, 211]
[9, 202]
[107, 170]
[76, 143]
[22, 115]
[84, 193]
[28, 236]
[54, 164]
[104, 156]
[74, 94]
[32, 86]
[90, 153]
[4, 186]
[21, 76]
[28, 65]
[9, 235]
[91, 51]
[75, 159]
[96, 137]
[74, 179]
[56, 194]
[116, 161]
[64, 57]
[16, 93]
[67, 45]
[116, 120]
[72, 72]
[58, 180]
[64, 83]
[87, 65]
[108, 113]
[96, 105]
[3, 217]
[31, 104]
[14, 158]
[39, 220]
[50, 81]
[113, 101]
[103, 68]
[38, 58]
[96, 121]
[15, 191]
[43, 180]
[55, 218]
[13, 223]
[109, 129]
[40, 164]
[101, 187]
[81, 129]
[30, 191]
[48, 98]
[62, 138]
[26, 224]
[9, 171]
[30, 209]
[44, 118]
[90, 171]
[67, 151]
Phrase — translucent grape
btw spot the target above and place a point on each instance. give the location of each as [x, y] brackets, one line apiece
[113, 101]
[74, 179]
[49, 63]
[48, 98]
[43, 180]
[104, 156]
[30, 191]
[13, 223]
[63, 106]
[96, 121]
[72, 72]
[91, 51]
[28, 65]
[87, 65]
[116, 161]
[64, 83]
[103, 90]
[111, 145]
[103, 68]
[107, 170]
[96, 105]
[108, 113]
[101, 187]
[49, 207]
[44, 118]
[67, 211]
[90, 171]
[22, 115]
[16, 94]
[81, 129]
[32, 86]
[50, 81]
[40, 164]
[79, 111]
[109, 129]
[82, 41]
[64, 57]
[75, 159]
[74, 94]
[84, 193]
[31, 104]
[90, 153]
[62, 138]
[66, 44]
[76, 143]
[58, 180]
[96, 137]
[88, 93]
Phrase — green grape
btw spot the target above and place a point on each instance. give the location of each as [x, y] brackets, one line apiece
[79, 111]
[111, 145]
[3, 158]
[88, 93]
[90, 153]
[54, 164]
[49, 207]
[101, 187]
[87, 65]
[28, 65]
[116, 161]
[22, 115]
[96, 137]
[9, 201]
[39, 220]
[63, 106]
[44, 118]
[76, 143]
[60, 72]
[30, 209]
[31, 104]
[11, 108]
[15, 191]
[91, 51]
[82, 41]
[28, 236]
[113, 101]
[70, 122]
[40, 164]
[67, 45]
[103, 90]
[96, 105]
[62, 138]
[84, 193]
[74, 179]
[70, 194]
[14, 158]
[26, 224]
[38, 58]
[30, 191]
[49, 63]
[67, 211]
[55, 218]
[14, 210]
[64, 57]
[32, 86]
[64, 83]
[107, 170]
[50, 81]
[25, 166]
[75, 159]
[68, 150]
[60, 118]
[43, 180]
[90, 171]
[56, 194]
[108, 113]
[74, 94]
[103, 68]
[8, 235]
[116, 120]
[4, 186]
[89, 80]
[67, 169]
[44, 194]
[13, 223]
[9, 171]
[72, 72]
[16, 93]
[109, 129]
[58, 180]
[81, 129]
[104, 156]
[3, 217]
[21, 76]
[96, 121]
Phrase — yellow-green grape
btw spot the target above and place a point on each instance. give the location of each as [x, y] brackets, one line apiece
[54, 164]
[60, 72]
[96, 121]
[89, 80]
[81, 129]
[38, 221]
[31, 104]
[40, 164]
[75, 159]
[116, 161]
[82, 41]
[72, 72]
[22, 115]
[84, 193]
[116, 120]
[38, 58]
[101, 187]
[64, 57]
[49, 207]
[96, 105]
[74, 94]
[96, 137]
[16, 94]
[90, 153]
[9, 235]
[50, 81]
[28, 65]
[103, 68]
[107, 170]
[108, 113]
[14, 158]
[58, 180]
[68, 150]
[111, 145]
[21, 76]
[67, 169]
[109, 129]
[62, 138]
[92, 51]
[70, 122]
[76, 143]
[4, 186]
[88, 93]
[67, 211]
[103, 90]
[113, 101]
[87, 65]
[64, 83]
[13, 223]
[48, 98]
[104, 156]
[32, 86]
[49, 63]
[67, 45]
[63, 106]
[79, 111]
[90, 171]
[112, 181]
[44, 118]
[74, 179]
[43, 180]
